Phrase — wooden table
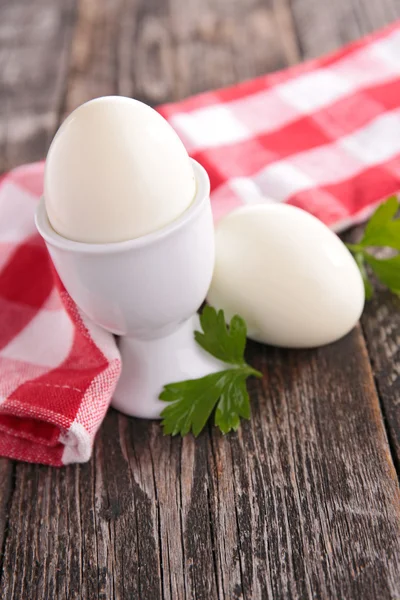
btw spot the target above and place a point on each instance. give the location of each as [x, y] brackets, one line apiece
[301, 503]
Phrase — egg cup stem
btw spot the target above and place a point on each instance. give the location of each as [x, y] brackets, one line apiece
[149, 365]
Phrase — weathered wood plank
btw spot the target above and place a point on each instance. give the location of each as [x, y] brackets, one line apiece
[161, 51]
[325, 525]
[302, 503]
[34, 48]
[325, 26]
[381, 326]
[6, 487]
[94, 62]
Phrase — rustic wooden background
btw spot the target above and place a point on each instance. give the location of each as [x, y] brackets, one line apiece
[301, 503]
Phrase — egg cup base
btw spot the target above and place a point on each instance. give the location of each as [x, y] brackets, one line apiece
[149, 365]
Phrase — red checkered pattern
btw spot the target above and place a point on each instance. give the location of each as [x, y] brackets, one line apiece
[324, 136]
[57, 370]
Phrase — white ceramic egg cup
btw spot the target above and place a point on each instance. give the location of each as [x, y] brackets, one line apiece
[146, 290]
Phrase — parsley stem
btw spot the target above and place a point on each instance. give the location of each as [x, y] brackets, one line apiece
[251, 372]
[256, 373]
[354, 248]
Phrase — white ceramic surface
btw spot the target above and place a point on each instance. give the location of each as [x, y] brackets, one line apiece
[146, 289]
[116, 170]
[150, 364]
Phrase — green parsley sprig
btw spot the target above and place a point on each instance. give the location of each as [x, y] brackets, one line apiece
[383, 231]
[191, 402]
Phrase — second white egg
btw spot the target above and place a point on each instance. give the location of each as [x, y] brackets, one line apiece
[290, 277]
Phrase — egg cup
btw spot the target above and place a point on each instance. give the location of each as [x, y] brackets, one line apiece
[146, 290]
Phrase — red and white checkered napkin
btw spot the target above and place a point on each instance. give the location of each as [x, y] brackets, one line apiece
[324, 136]
[57, 370]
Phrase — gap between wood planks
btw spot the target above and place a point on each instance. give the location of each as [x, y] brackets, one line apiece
[385, 370]
[380, 326]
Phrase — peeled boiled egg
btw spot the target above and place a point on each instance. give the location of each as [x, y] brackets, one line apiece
[116, 170]
[290, 277]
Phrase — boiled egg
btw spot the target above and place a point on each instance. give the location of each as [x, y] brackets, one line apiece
[290, 277]
[116, 170]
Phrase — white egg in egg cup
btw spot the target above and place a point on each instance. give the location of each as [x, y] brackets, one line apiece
[146, 290]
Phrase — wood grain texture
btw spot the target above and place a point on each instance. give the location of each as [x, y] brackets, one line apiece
[34, 48]
[162, 51]
[6, 489]
[301, 503]
[325, 26]
[381, 326]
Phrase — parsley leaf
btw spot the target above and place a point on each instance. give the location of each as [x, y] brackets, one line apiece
[388, 270]
[382, 230]
[191, 402]
[226, 345]
[234, 403]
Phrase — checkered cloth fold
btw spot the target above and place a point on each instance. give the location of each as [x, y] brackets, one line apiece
[324, 136]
